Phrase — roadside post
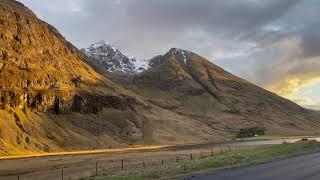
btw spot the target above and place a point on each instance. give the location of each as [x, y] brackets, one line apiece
[62, 173]
[122, 166]
[96, 168]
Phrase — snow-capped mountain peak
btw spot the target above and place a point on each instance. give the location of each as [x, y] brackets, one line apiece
[107, 56]
[110, 58]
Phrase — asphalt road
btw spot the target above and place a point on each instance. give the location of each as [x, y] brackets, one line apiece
[305, 167]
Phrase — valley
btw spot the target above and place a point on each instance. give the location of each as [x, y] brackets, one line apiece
[55, 97]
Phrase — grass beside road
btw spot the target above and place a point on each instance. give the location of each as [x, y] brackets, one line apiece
[237, 157]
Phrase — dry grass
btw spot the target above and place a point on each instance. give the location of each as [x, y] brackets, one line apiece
[150, 163]
[207, 162]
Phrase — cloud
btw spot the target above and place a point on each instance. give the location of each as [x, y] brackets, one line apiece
[135, 24]
[311, 41]
[275, 44]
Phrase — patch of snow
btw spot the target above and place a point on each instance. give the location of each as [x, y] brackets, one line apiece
[181, 54]
[141, 65]
[184, 57]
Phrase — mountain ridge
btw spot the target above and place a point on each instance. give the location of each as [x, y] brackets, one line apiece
[182, 78]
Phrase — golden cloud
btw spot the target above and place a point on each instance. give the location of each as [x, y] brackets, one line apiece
[290, 87]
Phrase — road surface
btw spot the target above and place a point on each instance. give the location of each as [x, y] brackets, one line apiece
[305, 167]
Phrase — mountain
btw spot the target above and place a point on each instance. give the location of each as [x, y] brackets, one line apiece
[44, 78]
[190, 85]
[40, 69]
[109, 58]
[51, 99]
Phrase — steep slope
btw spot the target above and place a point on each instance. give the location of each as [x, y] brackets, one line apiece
[185, 83]
[42, 74]
[52, 100]
[35, 59]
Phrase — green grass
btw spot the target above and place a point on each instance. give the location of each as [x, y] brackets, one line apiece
[240, 157]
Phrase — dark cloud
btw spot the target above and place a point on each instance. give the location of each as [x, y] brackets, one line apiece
[135, 25]
[267, 42]
[233, 16]
[311, 41]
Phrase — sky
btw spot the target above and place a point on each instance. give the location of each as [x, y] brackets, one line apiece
[272, 43]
